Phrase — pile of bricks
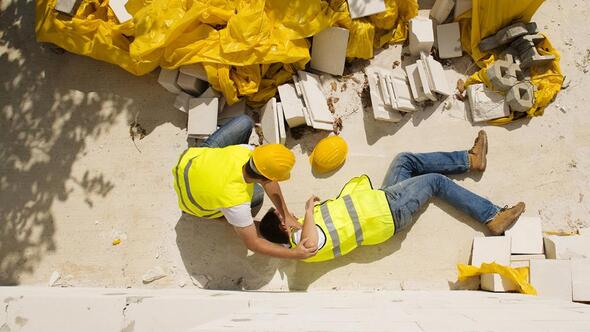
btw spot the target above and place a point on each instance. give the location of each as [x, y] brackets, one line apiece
[559, 266]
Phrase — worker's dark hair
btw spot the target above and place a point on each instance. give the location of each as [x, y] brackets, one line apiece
[252, 173]
[270, 228]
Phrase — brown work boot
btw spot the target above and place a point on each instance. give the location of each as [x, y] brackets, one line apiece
[477, 154]
[505, 218]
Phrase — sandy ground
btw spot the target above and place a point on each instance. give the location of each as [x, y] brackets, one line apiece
[71, 179]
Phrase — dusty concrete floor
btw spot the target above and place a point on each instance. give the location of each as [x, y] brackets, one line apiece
[71, 179]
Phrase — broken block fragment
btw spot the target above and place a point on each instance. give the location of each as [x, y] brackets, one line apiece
[66, 6]
[269, 122]
[503, 74]
[202, 117]
[415, 83]
[507, 35]
[421, 35]
[425, 79]
[441, 10]
[520, 97]
[448, 40]
[281, 123]
[292, 105]
[315, 101]
[168, 78]
[181, 102]
[191, 85]
[486, 104]
[381, 111]
[328, 53]
[399, 92]
[362, 8]
[118, 7]
[526, 236]
[552, 278]
[436, 75]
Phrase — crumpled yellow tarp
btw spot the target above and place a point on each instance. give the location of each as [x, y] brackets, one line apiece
[248, 47]
[518, 275]
[485, 19]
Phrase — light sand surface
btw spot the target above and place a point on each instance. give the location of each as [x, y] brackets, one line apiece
[72, 180]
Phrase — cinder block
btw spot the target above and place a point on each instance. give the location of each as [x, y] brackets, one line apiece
[494, 282]
[567, 247]
[552, 278]
[269, 122]
[415, 83]
[491, 249]
[581, 280]
[168, 78]
[462, 6]
[191, 85]
[328, 53]
[66, 6]
[448, 40]
[437, 79]
[381, 111]
[425, 80]
[503, 74]
[486, 104]
[400, 95]
[118, 7]
[292, 105]
[281, 123]
[520, 97]
[421, 35]
[202, 117]
[526, 236]
[195, 70]
[441, 10]
[181, 102]
[533, 58]
[507, 35]
[315, 101]
[362, 8]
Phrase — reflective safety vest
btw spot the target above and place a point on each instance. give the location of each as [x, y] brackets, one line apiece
[359, 216]
[208, 179]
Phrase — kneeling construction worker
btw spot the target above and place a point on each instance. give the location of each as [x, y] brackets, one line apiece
[225, 177]
[361, 215]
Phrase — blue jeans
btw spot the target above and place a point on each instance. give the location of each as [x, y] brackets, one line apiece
[413, 178]
[236, 131]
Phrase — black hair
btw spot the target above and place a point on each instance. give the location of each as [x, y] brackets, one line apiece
[270, 228]
[252, 174]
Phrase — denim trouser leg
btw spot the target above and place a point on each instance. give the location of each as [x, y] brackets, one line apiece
[237, 131]
[413, 179]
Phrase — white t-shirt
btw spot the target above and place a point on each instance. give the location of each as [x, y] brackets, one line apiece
[296, 235]
[239, 215]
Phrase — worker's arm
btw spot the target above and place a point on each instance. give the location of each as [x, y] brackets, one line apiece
[273, 190]
[309, 233]
[259, 245]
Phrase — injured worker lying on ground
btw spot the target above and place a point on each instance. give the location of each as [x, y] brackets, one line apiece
[361, 215]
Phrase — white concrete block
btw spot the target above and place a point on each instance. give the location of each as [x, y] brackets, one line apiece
[438, 80]
[421, 35]
[567, 247]
[494, 282]
[202, 117]
[448, 40]
[191, 85]
[212, 93]
[181, 102]
[292, 105]
[400, 96]
[66, 6]
[441, 10]
[269, 122]
[486, 104]
[168, 78]
[328, 53]
[362, 8]
[194, 70]
[381, 111]
[118, 7]
[461, 6]
[232, 111]
[581, 279]
[315, 101]
[415, 83]
[425, 80]
[526, 236]
[491, 249]
[552, 278]
[281, 122]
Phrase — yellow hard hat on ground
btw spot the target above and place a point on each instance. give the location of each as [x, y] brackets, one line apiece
[273, 161]
[329, 154]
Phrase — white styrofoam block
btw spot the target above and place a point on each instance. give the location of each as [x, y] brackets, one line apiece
[202, 116]
[292, 105]
[491, 249]
[441, 10]
[425, 80]
[118, 7]
[415, 83]
[66, 6]
[448, 40]
[438, 80]
[494, 282]
[486, 104]
[461, 6]
[401, 98]
[232, 111]
[526, 235]
[567, 247]
[421, 35]
[328, 52]
[552, 278]
[362, 8]
[194, 70]
[191, 85]
[281, 123]
[181, 102]
[269, 122]
[168, 78]
[381, 111]
[581, 279]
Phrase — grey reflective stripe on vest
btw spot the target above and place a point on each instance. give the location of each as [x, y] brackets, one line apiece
[331, 229]
[358, 231]
[188, 190]
[178, 183]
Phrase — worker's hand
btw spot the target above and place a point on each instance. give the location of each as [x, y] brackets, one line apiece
[311, 202]
[302, 252]
[289, 222]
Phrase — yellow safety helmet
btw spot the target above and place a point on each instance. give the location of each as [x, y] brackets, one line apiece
[329, 154]
[273, 161]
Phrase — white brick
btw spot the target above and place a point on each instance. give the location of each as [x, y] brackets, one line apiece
[281, 122]
[552, 278]
[494, 282]
[381, 111]
[526, 236]
[118, 7]
[328, 53]
[181, 102]
[448, 41]
[191, 85]
[269, 122]
[315, 101]
[66, 6]
[437, 79]
[461, 6]
[362, 8]
[202, 117]
[441, 10]
[415, 83]
[421, 35]
[486, 104]
[425, 80]
[292, 105]
[567, 247]
[581, 279]
[491, 249]
[401, 96]
[212, 93]
[168, 78]
[194, 70]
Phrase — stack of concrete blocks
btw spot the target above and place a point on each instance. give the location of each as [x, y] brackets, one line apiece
[526, 48]
[118, 7]
[507, 35]
[390, 94]
[427, 79]
[421, 35]
[67, 7]
[441, 10]
[272, 122]
[362, 8]
[493, 249]
[486, 104]
[328, 51]
[316, 111]
[202, 117]
[448, 41]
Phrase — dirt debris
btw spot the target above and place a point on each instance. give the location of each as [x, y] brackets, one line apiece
[338, 125]
[343, 87]
[396, 63]
[333, 86]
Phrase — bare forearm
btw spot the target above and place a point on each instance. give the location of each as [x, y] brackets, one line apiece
[273, 190]
[309, 229]
[274, 250]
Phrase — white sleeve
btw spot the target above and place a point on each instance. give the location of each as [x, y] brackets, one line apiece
[251, 147]
[321, 237]
[239, 215]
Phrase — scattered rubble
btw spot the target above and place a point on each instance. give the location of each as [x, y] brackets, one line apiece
[55, 276]
[153, 275]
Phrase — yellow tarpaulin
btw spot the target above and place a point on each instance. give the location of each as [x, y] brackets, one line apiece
[485, 19]
[519, 275]
[248, 47]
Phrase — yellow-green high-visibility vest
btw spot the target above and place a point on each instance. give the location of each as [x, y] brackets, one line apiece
[359, 216]
[208, 179]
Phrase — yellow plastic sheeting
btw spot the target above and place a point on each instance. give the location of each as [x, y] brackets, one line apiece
[248, 47]
[519, 276]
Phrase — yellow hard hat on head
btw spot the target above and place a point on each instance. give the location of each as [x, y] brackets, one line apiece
[329, 154]
[274, 161]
